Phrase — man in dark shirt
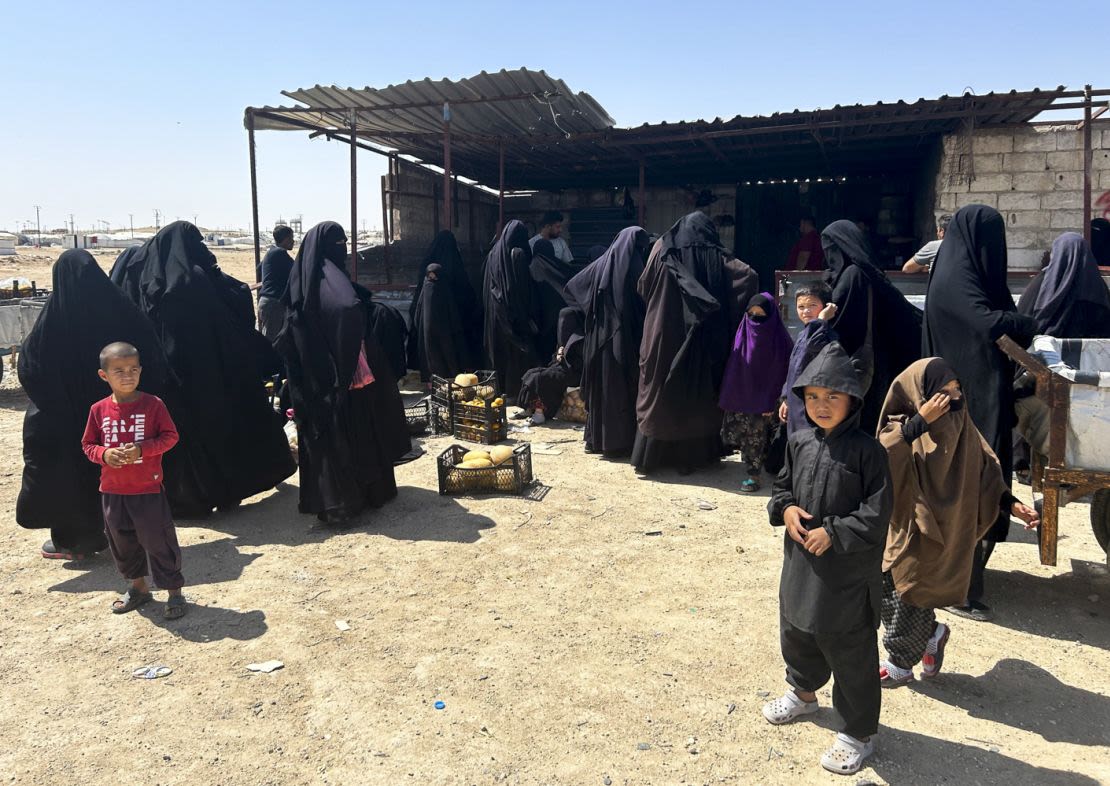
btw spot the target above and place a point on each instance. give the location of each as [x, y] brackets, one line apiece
[275, 278]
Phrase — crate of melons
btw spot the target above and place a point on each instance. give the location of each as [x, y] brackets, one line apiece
[479, 420]
[502, 468]
[465, 387]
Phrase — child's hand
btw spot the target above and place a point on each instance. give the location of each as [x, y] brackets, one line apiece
[131, 452]
[828, 312]
[793, 516]
[932, 409]
[1026, 514]
[784, 410]
[818, 541]
[113, 457]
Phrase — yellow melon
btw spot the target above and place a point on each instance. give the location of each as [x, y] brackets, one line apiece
[500, 454]
[477, 455]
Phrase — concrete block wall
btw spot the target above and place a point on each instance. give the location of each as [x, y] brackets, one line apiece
[1033, 175]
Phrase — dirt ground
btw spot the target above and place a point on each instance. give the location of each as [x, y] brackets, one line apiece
[569, 646]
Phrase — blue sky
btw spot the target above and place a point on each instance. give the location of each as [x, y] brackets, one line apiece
[118, 108]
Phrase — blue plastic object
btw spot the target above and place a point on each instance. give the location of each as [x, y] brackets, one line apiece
[439, 705]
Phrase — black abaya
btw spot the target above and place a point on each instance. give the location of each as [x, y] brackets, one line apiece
[550, 383]
[510, 325]
[387, 324]
[613, 312]
[345, 460]
[232, 444]
[58, 370]
[1068, 299]
[453, 278]
[695, 295]
[858, 284]
[439, 328]
[968, 307]
[550, 275]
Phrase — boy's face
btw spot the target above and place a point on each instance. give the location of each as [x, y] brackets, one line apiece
[808, 308]
[826, 407]
[122, 375]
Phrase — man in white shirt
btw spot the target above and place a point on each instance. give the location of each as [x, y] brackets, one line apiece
[923, 259]
[551, 228]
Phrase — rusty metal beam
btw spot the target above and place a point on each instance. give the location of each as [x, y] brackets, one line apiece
[448, 222]
[254, 200]
[411, 105]
[1087, 157]
[354, 199]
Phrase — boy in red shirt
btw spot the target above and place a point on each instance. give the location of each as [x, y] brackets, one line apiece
[126, 434]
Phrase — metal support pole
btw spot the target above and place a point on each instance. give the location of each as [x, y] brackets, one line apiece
[1087, 156]
[447, 215]
[354, 196]
[386, 186]
[500, 186]
[254, 201]
[640, 198]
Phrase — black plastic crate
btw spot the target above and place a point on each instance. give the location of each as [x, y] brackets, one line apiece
[439, 417]
[445, 391]
[513, 476]
[485, 423]
[419, 417]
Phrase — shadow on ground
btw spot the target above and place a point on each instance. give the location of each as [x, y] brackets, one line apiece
[1020, 694]
[1055, 607]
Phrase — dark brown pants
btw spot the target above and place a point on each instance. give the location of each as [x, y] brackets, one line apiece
[140, 527]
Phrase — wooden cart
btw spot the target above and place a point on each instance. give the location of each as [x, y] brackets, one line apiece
[1051, 476]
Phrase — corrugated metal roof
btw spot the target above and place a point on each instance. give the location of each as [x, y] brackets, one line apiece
[554, 138]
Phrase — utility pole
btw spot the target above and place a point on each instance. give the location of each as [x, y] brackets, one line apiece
[72, 231]
[131, 218]
[157, 219]
[38, 227]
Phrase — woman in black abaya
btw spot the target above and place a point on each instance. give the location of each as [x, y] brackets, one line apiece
[605, 293]
[454, 286]
[57, 368]
[857, 286]
[438, 325]
[550, 275]
[232, 444]
[345, 463]
[695, 294]
[968, 307]
[510, 322]
[1068, 299]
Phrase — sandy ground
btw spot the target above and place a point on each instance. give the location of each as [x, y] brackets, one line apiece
[569, 647]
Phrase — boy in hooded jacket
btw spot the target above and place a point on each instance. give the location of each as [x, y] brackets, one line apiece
[835, 499]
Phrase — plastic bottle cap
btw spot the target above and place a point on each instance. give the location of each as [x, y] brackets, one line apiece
[440, 705]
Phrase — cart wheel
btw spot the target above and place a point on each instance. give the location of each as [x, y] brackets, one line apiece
[1100, 519]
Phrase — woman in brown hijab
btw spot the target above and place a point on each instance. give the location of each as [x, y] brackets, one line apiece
[948, 492]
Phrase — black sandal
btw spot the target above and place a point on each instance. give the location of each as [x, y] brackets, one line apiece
[175, 607]
[130, 600]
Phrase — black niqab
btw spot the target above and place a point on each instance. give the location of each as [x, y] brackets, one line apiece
[1069, 299]
[510, 322]
[859, 286]
[232, 445]
[58, 366]
[345, 464]
[967, 308]
[453, 278]
[613, 315]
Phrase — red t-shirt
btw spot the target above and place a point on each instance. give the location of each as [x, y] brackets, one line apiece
[145, 422]
[811, 242]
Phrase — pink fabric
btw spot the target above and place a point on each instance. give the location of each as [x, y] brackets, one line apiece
[363, 375]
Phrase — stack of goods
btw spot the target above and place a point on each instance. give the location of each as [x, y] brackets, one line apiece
[502, 468]
[471, 405]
